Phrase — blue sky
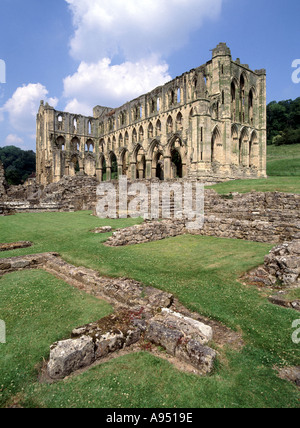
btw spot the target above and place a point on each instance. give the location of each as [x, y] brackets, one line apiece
[79, 53]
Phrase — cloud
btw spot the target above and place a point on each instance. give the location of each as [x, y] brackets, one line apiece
[22, 107]
[134, 29]
[112, 85]
[13, 140]
[121, 46]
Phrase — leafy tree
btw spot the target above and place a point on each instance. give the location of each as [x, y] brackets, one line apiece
[18, 164]
[283, 120]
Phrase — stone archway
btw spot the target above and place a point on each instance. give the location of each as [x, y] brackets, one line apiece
[74, 165]
[175, 159]
[138, 163]
[216, 146]
[254, 151]
[244, 148]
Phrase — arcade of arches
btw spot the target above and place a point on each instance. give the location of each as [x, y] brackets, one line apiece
[208, 124]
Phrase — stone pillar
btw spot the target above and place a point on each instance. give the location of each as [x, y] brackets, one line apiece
[149, 169]
[108, 173]
[133, 171]
[99, 174]
[167, 168]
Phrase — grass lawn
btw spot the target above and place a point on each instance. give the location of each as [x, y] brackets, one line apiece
[201, 271]
[283, 170]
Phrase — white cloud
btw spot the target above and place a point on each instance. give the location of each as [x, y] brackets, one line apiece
[23, 106]
[134, 34]
[135, 28]
[112, 85]
[14, 140]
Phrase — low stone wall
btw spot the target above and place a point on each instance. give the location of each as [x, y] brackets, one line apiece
[281, 266]
[258, 231]
[251, 230]
[143, 313]
[180, 336]
[147, 232]
[70, 194]
[15, 245]
[264, 217]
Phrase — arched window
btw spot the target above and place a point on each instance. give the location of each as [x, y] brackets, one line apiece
[158, 127]
[216, 146]
[178, 95]
[179, 122]
[60, 121]
[126, 138]
[171, 98]
[134, 136]
[169, 125]
[75, 124]
[242, 98]
[114, 143]
[233, 101]
[150, 130]
[250, 107]
[141, 134]
[89, 127]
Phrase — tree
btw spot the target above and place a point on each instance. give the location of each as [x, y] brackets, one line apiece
[18, 164]
[283, 120]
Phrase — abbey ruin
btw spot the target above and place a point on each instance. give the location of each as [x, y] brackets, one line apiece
[208, 124]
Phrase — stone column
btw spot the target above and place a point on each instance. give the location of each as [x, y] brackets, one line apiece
[167, 168]
[149, 169]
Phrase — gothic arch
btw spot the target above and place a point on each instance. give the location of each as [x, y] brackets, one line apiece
[155, 155]
[176, 151]
[244, 148]
[138, 159]
[124, 161]
[254, 151]
[235, 150]
[217, 149]
[60, 143]
[169, 125]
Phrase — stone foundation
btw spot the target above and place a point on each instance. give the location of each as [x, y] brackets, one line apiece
[281, 267]
[142, 313]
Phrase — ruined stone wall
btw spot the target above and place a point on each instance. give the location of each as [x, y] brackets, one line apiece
[208, 124]
[70, 194]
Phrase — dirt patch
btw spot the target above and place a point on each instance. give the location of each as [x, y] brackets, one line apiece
[292, 374]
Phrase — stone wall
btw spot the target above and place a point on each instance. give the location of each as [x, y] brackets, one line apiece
[70, 194]
[264, 217]
[209, 123]
[143, 313]
[147, 232]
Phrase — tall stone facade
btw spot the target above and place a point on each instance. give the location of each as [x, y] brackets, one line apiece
[208, 124]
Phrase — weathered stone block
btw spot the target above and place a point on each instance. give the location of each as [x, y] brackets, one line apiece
[161, 335]
[201, 357]
[108, 343]
[70, 355]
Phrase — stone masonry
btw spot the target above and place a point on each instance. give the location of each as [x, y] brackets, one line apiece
[208, 124]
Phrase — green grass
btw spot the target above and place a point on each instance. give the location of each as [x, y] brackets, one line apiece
[38, 310]
[270, 184]
[201, 271]
[284, 161]
[283, 170]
